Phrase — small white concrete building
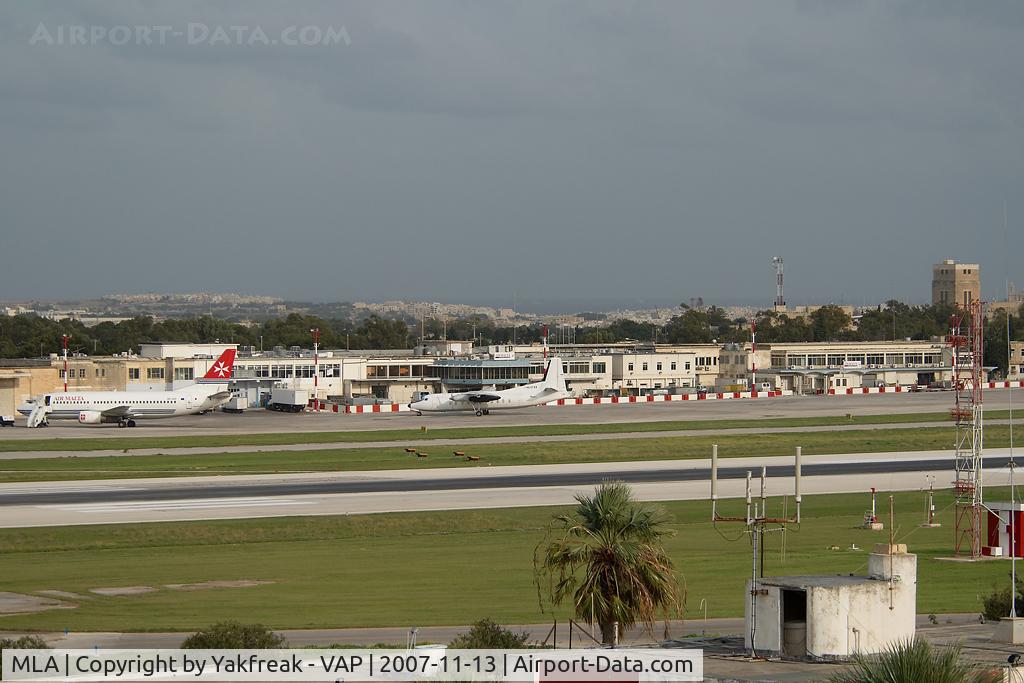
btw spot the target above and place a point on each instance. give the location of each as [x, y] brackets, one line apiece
[833, 617]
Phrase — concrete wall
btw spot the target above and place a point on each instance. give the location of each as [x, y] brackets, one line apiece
[8, 394]
[768, 620]
[24, 383]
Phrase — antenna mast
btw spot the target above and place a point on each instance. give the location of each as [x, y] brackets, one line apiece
[780, 300]
[757, 522]
[967, 349]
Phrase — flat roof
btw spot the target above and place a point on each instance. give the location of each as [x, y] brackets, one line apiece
[483, 362]
[815, 581]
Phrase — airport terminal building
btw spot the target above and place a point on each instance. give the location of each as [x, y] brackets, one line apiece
[399, 376]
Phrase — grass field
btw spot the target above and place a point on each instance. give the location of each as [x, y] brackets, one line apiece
[611, 450]
[277, 439]
[429, 569]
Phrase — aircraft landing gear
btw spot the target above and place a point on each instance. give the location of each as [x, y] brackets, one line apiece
[486, 411]
[126, 423]
[131, 423]
[479, 412]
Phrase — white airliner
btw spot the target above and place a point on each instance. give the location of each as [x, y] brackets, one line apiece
[551, 388]
[125, 407]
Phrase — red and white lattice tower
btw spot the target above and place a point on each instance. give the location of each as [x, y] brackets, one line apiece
[966, 341]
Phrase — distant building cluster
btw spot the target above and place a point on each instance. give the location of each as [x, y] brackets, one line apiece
[196, 298]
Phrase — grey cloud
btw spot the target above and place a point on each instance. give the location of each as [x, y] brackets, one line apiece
[567, 150]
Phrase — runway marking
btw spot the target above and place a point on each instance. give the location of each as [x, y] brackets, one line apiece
[59, 488]
[183, 504]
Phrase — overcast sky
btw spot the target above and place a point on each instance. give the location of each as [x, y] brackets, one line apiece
[578, 152]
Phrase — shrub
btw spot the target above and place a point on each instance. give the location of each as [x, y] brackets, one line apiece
[915, 662]
[24, 643]
[487, 635]
[996, 605]
[233, 635]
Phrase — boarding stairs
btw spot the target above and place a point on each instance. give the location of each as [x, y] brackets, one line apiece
[38, 416]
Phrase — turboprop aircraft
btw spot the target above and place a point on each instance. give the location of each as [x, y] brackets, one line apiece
[551, 388]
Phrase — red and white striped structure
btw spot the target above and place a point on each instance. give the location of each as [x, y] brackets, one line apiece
[596, 401]
[625, 400]
[65, 338]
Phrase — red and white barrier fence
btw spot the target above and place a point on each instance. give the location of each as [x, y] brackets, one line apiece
[605, 400]
[1006, 385]
[710, 396]
[651, 398]
[378, 408]
[899, 389]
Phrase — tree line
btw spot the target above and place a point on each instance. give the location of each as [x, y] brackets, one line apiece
[27, 336]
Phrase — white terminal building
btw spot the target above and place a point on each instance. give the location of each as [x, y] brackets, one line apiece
[398, 376]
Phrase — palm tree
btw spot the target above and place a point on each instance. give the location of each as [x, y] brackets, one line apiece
[915, 661]
[608, 558]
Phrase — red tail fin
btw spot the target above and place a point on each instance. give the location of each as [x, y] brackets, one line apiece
[221, 368]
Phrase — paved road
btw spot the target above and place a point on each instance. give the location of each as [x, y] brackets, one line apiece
[466, 442]
[723, 661]
[323, 637]
[260, 421]
[235, 497]
[444, 479]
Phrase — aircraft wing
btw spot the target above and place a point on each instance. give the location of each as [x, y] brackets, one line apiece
[220, 396]
[476, 397]
[117, 412]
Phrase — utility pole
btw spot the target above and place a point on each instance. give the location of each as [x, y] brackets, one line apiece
[316, 369]
[753, 355]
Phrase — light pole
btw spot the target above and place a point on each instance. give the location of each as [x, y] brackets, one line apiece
[316, 369]
[64, 338]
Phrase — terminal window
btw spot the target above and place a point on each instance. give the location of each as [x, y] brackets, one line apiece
[154, 373]
[133, 373]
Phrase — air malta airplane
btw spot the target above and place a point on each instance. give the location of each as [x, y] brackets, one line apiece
[125, 407]
[551, 388]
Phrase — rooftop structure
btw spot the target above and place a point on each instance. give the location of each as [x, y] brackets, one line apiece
[834, 617]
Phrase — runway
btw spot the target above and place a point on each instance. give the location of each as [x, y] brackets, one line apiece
[269, 422]
[469, 441]
[237, 497]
